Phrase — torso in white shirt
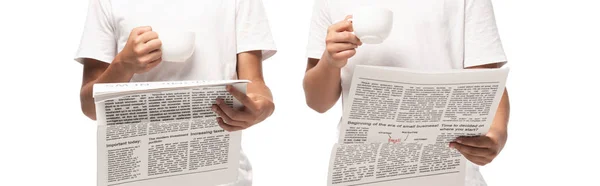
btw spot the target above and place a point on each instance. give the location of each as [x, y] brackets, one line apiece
[426, 35]
[223, 29]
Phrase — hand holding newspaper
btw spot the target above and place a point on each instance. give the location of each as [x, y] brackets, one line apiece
[165, 133]
[397, 125]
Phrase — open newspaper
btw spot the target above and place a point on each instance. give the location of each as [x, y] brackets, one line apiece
[165, 133]
[397, 125]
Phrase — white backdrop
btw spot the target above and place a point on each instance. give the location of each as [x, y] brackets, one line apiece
[552, 46]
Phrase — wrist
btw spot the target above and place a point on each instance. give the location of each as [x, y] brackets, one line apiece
[119, 65]
[327, 63]
[499, 135]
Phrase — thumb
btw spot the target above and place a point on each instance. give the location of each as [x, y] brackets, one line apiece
[475, 141]
[345, 25]
[350, 26]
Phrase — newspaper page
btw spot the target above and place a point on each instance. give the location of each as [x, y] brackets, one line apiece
[397, 125]
[165, 133]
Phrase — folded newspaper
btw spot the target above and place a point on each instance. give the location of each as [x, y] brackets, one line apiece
[165, 133]
[397, 125]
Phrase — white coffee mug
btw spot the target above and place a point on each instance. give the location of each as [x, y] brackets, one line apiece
[177, 46]
[372, 25]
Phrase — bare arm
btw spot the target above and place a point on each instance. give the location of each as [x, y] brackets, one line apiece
[499, 126]
[250, 68]
[322, 85]
[258, 100]
[483, 150]
[140, 54]
[99, 72]
[322, 81]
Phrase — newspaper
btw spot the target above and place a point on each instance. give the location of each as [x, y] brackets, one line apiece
[165, 133]
[397, 125]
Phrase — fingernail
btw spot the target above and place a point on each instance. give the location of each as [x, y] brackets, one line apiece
[459, 141]
[228, 87]
[451, 146]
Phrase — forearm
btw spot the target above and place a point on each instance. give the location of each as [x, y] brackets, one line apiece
[115, 73]
[322, 86]
[499, 126]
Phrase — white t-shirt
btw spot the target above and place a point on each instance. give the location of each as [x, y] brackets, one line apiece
[223, 29]
[426, 35]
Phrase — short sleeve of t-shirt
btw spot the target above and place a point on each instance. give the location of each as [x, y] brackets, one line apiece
[320, 21]
[482, 41]
[98, 40]
[253, 31]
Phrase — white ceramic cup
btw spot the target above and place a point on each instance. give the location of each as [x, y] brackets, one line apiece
[372, 25]
[177, 46]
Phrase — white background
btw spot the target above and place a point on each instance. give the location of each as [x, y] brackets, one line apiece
[552, 46]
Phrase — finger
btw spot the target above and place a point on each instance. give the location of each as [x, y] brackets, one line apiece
[226, 127]
[155, 62]
[344, 54]
[227, 119]
[151, 65]
[240, 96]
[151, 57]
[338, 47]
[479, 141]
[152, 45]
[345, 37]
[149, 48]
[474, 151]
[345, 25]
[146, 36]
[141, 30]
[477, 160]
